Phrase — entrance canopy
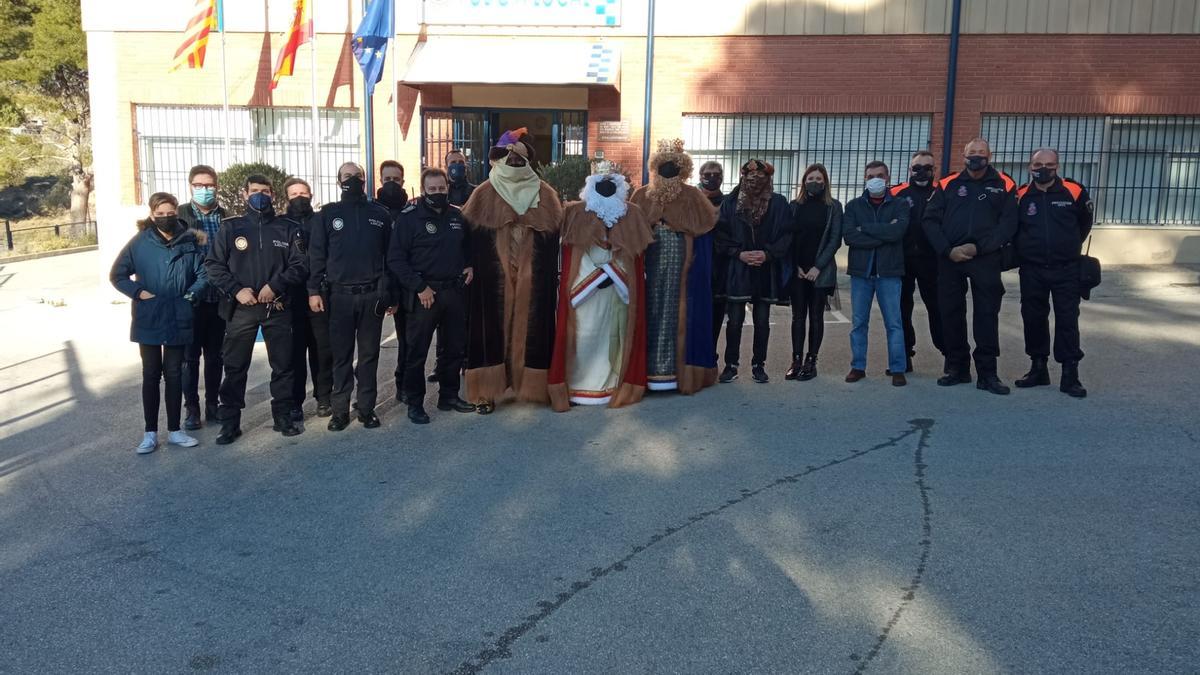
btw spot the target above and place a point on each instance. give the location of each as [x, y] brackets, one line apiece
[515, 60]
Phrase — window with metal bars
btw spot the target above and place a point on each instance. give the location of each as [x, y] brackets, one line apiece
[843, 143]
[473, 130]
[172, 139]
[1139, 170]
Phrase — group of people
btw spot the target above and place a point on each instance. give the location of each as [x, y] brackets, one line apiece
[589, 303]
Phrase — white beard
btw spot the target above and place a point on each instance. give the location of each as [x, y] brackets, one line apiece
[608, 209]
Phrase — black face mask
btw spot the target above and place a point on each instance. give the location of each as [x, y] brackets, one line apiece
[668, 169]
[392, 195]
[166, 224]
[300, 207]
[977, 163]
[352, 187]
[1044, 175]
[814, 189]
[438, 201]
[921, 175]
[710, 183]
[606, 187]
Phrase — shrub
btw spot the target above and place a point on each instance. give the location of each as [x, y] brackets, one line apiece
[568, 176]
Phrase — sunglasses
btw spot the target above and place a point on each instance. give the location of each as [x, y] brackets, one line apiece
[919, 167]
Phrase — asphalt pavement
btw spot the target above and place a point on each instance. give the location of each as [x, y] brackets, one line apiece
[816, 527]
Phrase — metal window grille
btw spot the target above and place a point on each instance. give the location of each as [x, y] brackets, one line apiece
[1139, 170]
[474, 130]
[843, 143]
[172, 139]
[570, 131]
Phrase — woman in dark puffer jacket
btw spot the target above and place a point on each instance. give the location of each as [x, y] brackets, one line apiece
[161, 269]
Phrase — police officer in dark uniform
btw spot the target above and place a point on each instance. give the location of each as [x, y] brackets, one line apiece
[968, 220]
[310, 330]
[460, 185]
[394, 198]
[920, 262]
[1055, 217]
[712, 174]
[349, 251]
[254, 260]
[428, 258]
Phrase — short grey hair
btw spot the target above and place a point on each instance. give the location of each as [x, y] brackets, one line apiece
[711, 164]
[353, 164]
[1044, 149]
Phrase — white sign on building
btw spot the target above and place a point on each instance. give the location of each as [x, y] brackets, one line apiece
[523, 12]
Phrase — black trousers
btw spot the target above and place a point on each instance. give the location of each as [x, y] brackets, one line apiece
[921, 273]
[311, 355]
[733, 332]
[161, 363]
[719, 312]
[448, 317]
[982, 276]
[353, 322]
[808, 306]
[400, 318]
[240, 334]
[208, 340]
[1038, 286]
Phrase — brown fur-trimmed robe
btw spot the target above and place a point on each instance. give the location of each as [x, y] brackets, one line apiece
[511, 301]
[628, 240]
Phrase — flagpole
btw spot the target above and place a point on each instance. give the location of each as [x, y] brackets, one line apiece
[224, 79]
[316, 115]
[395, 103]
[369, 122]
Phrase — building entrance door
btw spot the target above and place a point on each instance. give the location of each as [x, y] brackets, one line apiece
[558, 134]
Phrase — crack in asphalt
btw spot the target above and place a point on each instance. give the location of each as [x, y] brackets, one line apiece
[501, 647]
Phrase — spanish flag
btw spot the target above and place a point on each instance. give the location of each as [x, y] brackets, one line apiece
[300, 32]
[195, 41]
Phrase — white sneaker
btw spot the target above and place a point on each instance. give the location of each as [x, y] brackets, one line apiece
[149, 443]
[182, 440]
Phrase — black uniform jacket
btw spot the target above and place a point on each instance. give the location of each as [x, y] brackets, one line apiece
[968, 211]
[1052, 224]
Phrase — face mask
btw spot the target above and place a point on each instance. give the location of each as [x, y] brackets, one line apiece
[755, 183]
[352, 186]
[438, 201]
[204, 196]
[814, 189]
[876, 186]
[300, 207]
[922, 175]
[260, 201]
[977, 163]
[668, 169]
[392, 195]
[458, 172]
[165, 223]
[606, 188]
[711, 183]
[1043, 175]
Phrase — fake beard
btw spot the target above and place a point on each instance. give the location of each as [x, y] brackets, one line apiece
[608, 209]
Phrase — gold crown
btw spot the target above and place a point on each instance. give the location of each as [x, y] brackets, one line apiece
[674, 145]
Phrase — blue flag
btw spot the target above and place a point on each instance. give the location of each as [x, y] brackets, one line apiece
[371, 40]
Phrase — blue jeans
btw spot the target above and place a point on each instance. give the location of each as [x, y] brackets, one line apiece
[887, 290]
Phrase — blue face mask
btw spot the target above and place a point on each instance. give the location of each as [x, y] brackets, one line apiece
[260, 201]
[204, 196]
[457, 172]
[876, 186]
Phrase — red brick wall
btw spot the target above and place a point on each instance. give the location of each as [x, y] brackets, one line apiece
[1057, 74]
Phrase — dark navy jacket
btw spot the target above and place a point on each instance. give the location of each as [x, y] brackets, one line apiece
[875, 235]
[965, 210]
[169, 270]
[1053, 224]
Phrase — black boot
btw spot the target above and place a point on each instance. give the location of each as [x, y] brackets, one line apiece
[793, 373]
[417, 414]
[338, 422]
[229, 433]
[992, 384]
[955, 376]
[285, 425]
[191, 418]
[1038, 375]
[210, 412]
[1070, 384]
[809, 370]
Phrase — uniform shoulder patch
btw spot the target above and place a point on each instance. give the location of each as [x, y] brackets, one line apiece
[408, 208]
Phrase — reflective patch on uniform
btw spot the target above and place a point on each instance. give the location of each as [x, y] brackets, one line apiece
[962, 190]
[408, 208]
[241, 243]
[431, 227]
[338, 224]
[1032, 210]
[1061, 203]
[376, 223]
[279, 244]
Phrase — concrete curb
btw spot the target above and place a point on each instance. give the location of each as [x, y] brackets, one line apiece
[47, 254]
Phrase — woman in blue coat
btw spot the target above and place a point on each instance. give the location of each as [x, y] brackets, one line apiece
[161, 269]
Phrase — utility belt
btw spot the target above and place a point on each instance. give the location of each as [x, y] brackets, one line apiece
[354, 289]
[445, 284]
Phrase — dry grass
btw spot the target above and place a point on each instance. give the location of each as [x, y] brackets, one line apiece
[40, 241]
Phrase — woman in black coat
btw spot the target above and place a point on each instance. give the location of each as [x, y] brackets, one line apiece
[161, 269]
[816, 235]
[754, 232]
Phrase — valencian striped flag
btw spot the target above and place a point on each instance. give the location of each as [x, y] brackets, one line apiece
[300, 32]
[195, 41]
